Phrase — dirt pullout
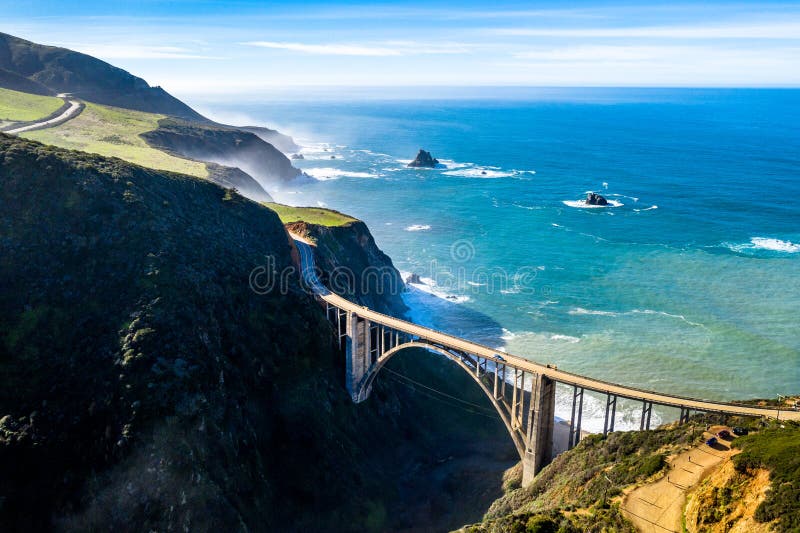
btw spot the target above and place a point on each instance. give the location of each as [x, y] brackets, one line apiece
[658, 506]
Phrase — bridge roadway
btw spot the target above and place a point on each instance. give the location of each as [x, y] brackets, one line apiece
[561, 376]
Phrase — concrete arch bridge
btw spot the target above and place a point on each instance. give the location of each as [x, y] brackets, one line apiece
[522, 391]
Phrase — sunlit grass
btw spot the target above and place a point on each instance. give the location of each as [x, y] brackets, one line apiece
[114, 132]
[312, 215]
[23, 107]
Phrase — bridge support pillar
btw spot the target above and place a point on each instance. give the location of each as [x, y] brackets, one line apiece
[541, 419]
[357, 346]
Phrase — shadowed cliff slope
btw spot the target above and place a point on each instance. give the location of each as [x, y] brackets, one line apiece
[144, 386]
[225, 146]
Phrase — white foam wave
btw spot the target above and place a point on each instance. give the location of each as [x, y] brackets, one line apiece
[323, 174]
[763, 244]
[583, 311]
[581, 204]
[429, 287]
[647, 208]
[418, 227]
[776, 245]
[480, 173]
[568, 338]
[580, 311]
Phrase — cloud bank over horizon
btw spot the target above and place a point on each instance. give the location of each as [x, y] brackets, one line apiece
[245, 46]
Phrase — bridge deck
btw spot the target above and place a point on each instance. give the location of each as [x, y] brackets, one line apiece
[455, 343]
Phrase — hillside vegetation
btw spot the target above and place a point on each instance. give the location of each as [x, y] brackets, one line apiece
[311, 215]
[18, 106]
[145, 386]
[115, 132]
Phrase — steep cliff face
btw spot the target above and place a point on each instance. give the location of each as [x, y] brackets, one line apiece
[145, 386]
[352, 265]
[281, 141]
[225, 146]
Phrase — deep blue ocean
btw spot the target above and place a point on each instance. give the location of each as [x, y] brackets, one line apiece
[689, 284]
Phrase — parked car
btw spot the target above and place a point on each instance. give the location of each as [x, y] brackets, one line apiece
[739, 431]
[712, 441]
[724, 434]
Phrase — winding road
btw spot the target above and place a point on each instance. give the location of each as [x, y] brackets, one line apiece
[74, 109]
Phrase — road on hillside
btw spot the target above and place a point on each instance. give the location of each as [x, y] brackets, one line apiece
[71, 112]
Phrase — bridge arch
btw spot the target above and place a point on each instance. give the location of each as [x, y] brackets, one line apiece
[369, 378]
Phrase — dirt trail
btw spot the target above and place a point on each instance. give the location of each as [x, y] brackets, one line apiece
[658, 507]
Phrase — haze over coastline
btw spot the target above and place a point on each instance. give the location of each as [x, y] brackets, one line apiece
[195, 49]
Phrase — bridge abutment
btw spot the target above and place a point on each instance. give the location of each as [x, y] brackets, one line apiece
[541, 420]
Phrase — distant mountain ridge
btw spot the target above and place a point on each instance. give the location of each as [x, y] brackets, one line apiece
[41, 69]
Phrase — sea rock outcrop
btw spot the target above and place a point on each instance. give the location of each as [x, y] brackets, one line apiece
[595, 199]
[424, 160]
[413, 278]
[297, 156]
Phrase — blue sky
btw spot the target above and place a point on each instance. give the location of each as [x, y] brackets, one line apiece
[217, 47]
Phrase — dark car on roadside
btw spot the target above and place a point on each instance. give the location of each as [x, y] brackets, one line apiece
[712, 441]
[739, 431]
[724, 434]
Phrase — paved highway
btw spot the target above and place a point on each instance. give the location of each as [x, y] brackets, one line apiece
[71, 112]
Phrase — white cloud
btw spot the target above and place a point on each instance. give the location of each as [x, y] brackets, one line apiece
[328, 49]
[135, 51]
[380, 49]
[773, 30]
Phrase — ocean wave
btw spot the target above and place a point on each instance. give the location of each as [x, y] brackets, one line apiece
[322, 174]
[580, 311]
[583, 311]
[764, 244]
[429, 287]
[418, 227]
[568, 338]
[480, 173]
[581, 204]
[647, 208]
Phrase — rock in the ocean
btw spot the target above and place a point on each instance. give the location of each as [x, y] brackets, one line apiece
[424, 159]
[595, 199]
[297, 156]
[413, 278]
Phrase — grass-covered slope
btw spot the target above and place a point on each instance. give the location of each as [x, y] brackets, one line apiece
[144, 385]
[776, 449]
[311, 215]
[115, 132]
[65, 71]
[18, 106]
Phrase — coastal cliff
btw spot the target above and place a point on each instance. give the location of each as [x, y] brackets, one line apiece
[226, 146]
[354, 266]
[145, 386]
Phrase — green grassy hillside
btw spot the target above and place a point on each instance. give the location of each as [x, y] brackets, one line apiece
[16, 106]
[115, 132]
[311, 215]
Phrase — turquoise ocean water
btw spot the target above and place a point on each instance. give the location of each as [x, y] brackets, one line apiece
[690, 284]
